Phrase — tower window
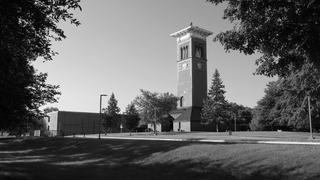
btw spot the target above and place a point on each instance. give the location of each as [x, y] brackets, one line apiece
[184, 50]
[198, 52]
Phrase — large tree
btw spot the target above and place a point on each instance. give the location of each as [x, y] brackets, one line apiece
[239, 116]
[131, 117]
[154, 107]
[264, 114]
[285, 107]
[28, 28]
[287, 33]
[112, 108]
[112, 119]
[214, 109]
[296, 87]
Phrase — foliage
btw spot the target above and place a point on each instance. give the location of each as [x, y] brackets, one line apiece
[107, 122]
[220, 113]
[28, 27]
[215, 105]
[112, 108]
[284, 105]
[112, 119]
[216, 91]
[239, 116]
[293, 103]
[152, 106]
[22, 92]
[132, 117]
[264, 113]
[27, 30]
[287, 33]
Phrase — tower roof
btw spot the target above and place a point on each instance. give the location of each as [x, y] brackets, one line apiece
[193, 30]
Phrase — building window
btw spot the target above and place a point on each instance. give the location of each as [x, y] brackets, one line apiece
[200, 66]
[184, 50]
[184, 66]
[198, 52]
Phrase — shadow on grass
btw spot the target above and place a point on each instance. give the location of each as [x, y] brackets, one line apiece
[58, 158]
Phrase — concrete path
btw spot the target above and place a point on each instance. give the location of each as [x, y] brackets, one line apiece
[247, 140]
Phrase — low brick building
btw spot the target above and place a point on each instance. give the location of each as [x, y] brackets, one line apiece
[63, 123]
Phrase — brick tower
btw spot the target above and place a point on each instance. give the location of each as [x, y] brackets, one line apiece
[192, 77]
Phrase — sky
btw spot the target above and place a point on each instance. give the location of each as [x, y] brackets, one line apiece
[124, 46]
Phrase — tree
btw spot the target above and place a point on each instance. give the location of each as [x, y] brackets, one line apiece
[112, 108]
[132, 117]
[239, 116]
[287, 33]
[216, 91]
[153, 107]
[284, 105]
[293, 102]
[27, 30]
[215, 106]
[264, 113]
[111, 116]
[244, 118]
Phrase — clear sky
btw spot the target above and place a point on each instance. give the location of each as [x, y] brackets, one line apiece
[123, 46]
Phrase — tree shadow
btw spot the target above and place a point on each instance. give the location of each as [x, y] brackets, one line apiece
[67, 158]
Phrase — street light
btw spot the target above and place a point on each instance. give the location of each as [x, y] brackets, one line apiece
[100, 114]
[235, 123]
[310, 122]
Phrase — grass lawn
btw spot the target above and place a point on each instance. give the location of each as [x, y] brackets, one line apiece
[240, 135]
[68, 158]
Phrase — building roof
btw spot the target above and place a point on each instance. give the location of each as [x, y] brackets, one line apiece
[182, 114]
[192, 30]
[186, 114]
[76, 112]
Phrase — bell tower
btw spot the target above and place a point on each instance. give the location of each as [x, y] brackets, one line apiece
[192, 77]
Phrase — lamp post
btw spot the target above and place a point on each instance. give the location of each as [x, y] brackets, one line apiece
[310, 122]
[235, 123]
[155, 120]
[100, 114]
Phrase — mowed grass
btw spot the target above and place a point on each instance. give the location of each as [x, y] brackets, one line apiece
[240, 135]
[68, 158]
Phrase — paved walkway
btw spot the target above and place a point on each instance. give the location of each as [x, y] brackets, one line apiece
[212, 139]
